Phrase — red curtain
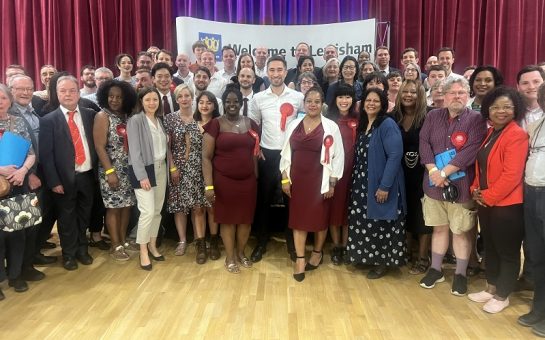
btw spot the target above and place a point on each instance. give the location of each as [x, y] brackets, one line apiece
[506, 33]
[70, 34]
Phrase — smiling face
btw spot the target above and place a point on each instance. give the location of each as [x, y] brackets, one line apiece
[276, 71]
[150, 103]
[394, 83]
[246, 61]
[229, 58]
[301, 50]
[246, 78]
[184, 99]
[411, 72]
[144, 61]
[88, 78]
[408, 95]
[484, 83]
[363, 56]
[313, 104]
[261, 54]
[205, 106]
[162, 80]
[125, 64]
[163, 57]
[21, 89]
[348, 71]
[208, 60]
[45, 75]
[231, 105]
[201, 80]
[367, 69]
[182, 62]
[528, 84]
[330, 52]
[501, 112]
[383, 58]
[371, 104]
[306, 66]
[343, 103]
[115, 99]
[446, 59]
[332, 70]
[306, 84]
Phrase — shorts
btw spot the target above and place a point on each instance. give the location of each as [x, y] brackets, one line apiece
[460, 217]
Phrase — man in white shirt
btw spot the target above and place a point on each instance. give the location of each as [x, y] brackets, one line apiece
[46, 72]
[273, 109]
[183, 73]
[229, 58]
[261, 54]
[246, 79]
[528, 81]
[445, 56]
[101, 75]
[217, 83]
[201, 81]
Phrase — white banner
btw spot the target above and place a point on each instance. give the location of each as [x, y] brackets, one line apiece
[350, 37]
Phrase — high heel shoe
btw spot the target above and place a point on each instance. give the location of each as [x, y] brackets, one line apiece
[147, 267]
[156, 258]
[309, 266]
[299, 276]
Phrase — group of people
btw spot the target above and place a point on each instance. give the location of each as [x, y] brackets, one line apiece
[386, 160]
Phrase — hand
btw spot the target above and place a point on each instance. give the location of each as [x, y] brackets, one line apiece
[145, 184]
[34, 182]
[210, 195]
[437, 179]
[330, 193]
[113, 181]
[381, 196]
[59, 189]
[7, 170]
[18, 176]
[478, 197]
[286, 188]
[261, 155]
[175, 177]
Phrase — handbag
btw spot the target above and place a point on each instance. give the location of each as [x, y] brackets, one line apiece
[5, 187]
[19, 212]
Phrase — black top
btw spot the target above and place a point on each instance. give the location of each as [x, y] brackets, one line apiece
[482, 157]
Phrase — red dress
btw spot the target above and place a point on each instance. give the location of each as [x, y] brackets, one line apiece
[339, 203]
[308, 211]
[235, 183]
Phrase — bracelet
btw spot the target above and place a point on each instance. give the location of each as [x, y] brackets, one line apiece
[285, 181]
[173, 169]
[433, 169]
[109, 171]
[26, 168]
[209, 187]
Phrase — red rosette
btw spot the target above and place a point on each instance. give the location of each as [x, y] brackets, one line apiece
[458, 139]
[353, 125]
[328, 142]
[286, 110]
[256, 137]
[121, 130]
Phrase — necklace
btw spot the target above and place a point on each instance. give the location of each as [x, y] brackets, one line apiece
[235, 123]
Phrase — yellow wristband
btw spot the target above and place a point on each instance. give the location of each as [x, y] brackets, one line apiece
[173, 169]
[109, 171]
[209, 187]
[285, 181]
[433, 169]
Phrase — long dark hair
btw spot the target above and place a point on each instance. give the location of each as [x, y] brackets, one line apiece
[211, 97]
[342, 90]
[382, 114]
[142, 93]
[347, 58]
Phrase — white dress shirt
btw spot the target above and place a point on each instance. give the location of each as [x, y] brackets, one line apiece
[217, 85]
[187, 79]
[265, 111]
[159, 140]
[169, 99]
[227, 76]
[86, 166]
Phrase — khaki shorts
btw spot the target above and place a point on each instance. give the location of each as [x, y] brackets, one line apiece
[460, 217]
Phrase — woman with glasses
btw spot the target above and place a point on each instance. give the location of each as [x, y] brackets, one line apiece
[498, 189]
[349, 75]
[304, 64]
[411, 72]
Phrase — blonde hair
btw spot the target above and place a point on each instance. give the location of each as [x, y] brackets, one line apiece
[178, 90]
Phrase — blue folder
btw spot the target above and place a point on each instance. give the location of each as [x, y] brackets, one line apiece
[13, 149]
[442, 159]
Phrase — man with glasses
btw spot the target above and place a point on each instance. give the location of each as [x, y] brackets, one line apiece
[87, 77]
[449, 140]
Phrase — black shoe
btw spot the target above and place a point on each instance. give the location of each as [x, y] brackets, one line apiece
[49, 245]
[293, 256]
[309, 266]
[523, 283]
[299, 276]
[31, 274]
[19, 285]
[84, 258]
[539, 329]
[345, 256]
[459, 285]
[432, 277]
[257, 254]
[2, 297]
[377, 272]
[42, 260]
[147, 267]
[336, 256]
[156, 258]
[102, 245]
[215, 252]
[530, 319]
[69, 263]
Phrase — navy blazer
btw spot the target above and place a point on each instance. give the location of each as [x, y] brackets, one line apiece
[57, 150]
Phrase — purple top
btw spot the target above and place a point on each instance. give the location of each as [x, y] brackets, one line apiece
[435, 137]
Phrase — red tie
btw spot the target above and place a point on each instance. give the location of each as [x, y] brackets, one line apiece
[76, 138]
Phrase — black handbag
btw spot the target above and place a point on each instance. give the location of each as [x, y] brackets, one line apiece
[19, 212]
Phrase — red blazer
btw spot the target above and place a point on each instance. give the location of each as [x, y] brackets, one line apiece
[505, 167]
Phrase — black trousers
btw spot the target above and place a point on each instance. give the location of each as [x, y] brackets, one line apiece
[74, 214]
[503, 231]
[48, 204]
[269, 190]
[98, 211]
[12, 246]
[534, 216]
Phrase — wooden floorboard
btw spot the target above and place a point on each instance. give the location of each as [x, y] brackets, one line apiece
[182, 300]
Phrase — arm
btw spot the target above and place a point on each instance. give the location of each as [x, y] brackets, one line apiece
[100, 137]
[254, 112]
[392, 143]
[337, 161]
[208, 149]
[134, 131]
[46, 148]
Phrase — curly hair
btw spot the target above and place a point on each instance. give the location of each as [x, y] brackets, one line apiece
[503, 91]
[127, 93]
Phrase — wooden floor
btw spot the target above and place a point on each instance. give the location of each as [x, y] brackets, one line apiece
[182, 300]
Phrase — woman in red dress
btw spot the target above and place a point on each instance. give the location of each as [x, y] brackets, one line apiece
[312, 161]
[229, 168]
[344, 114]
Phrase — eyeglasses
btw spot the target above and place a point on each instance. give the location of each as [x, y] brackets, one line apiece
[457, 93]
[410, 70]
[349, 67]
[24, 89]
[307, 82]
[502, 108]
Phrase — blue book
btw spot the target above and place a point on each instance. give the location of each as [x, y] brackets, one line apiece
[13, 149]
[442, 159]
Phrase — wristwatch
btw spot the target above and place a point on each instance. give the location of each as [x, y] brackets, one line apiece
[443, 174]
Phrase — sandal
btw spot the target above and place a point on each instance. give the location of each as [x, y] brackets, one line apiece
[420, 266]
[232, 268]
[245, 262]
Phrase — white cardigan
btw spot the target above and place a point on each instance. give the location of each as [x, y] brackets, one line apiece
[335, 166]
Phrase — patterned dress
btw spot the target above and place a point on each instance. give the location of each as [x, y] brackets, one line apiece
[189, 193]
[124, 195]
[373, 242]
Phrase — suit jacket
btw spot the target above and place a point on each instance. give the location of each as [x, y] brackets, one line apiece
[56, 143]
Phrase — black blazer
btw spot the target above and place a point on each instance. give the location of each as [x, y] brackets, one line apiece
[57, 149]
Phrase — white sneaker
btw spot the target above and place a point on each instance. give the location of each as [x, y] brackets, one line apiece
[494, 306]
[480, 297]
